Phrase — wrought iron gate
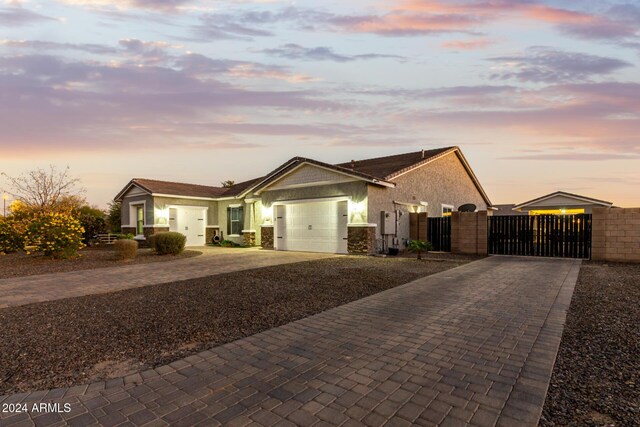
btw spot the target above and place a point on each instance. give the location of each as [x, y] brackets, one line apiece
[567, 236]
[439, 233]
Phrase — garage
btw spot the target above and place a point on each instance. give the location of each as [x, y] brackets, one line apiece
[318, 226]
[189, 221]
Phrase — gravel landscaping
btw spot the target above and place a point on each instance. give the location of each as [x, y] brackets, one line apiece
[596, 378]
[79, 340]
[21, 264]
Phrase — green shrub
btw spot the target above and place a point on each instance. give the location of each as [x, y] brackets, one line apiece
[92, 225]
[151, 241]
[125, 249]
[11, 235]
[57, 235]
[419, 246]
[128, 236]
[229, 244]
[169, 242]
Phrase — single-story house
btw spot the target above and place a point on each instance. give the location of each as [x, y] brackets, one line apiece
[307, 205]
[556, 203]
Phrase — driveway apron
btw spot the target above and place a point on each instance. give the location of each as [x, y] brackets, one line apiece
[474, 345]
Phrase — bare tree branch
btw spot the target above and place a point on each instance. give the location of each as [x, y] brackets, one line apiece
[46, 189]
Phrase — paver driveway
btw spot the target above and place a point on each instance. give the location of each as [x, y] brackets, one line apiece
[472, 345]
[46, 287]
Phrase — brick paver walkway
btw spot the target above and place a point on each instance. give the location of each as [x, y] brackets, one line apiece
[47, 287]
[472, 345]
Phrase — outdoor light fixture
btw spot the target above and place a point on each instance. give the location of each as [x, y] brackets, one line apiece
[162, 214]
[357, 210]
[267, 212]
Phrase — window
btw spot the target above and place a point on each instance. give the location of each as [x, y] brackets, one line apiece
[446, 210]
[235, 220]
[139, 220]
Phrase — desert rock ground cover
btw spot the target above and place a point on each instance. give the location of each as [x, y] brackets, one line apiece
[596, 378]
[79, 340]
[21, 264]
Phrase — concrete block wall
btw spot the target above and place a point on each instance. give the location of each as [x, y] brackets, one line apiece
[469, 232]
[616, 234]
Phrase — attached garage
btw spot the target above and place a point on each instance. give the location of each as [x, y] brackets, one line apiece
[312, 226]
[190, 221]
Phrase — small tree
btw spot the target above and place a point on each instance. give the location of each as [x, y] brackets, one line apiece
[228, 183]
[114, 217]
[47, 190]
[93, 222]
[419, 246]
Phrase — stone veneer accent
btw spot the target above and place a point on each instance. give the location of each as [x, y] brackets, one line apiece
[361, 240]
[249, 238]
[266, 237]
[210, 232]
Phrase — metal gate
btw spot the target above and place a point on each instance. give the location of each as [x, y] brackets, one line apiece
[566, 236]
[439, 233]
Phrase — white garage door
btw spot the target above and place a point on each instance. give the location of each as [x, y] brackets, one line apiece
[312, 227]
[191, 223]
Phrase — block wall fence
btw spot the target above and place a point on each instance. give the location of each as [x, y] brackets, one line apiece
[615, 234]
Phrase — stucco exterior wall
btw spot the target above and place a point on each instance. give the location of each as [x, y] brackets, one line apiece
[443, 181]
[356, 190]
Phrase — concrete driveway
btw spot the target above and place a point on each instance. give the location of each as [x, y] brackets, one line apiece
[46, 287]
[474, 345]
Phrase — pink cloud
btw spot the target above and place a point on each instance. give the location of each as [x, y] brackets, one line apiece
[467, 44]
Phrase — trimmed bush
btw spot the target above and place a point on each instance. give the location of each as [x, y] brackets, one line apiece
[57, 235]
[151, 241]
[11, 235]
[125, 249]
[169, 242]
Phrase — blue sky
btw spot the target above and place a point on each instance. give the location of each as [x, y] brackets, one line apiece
[540, 96]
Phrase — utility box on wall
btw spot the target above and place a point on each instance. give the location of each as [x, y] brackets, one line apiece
[387, 222]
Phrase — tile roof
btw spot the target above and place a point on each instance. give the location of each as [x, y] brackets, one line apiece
[179, 188]
[375, 169]
[389, 166]
[240, 187]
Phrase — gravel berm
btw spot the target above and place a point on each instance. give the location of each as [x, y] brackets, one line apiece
[80, 340]
[596, 378]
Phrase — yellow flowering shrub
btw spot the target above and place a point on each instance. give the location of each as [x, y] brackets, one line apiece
[58, 235]
[11, 235]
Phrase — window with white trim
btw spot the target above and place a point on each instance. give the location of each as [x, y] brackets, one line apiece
[235, 220]
[139, 219]
[446, 210]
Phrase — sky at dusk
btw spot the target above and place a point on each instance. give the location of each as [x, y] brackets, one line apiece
[540, 95]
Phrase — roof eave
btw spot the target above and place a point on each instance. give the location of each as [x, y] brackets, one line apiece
[297, 162]
[127, 187]
[602, 203]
